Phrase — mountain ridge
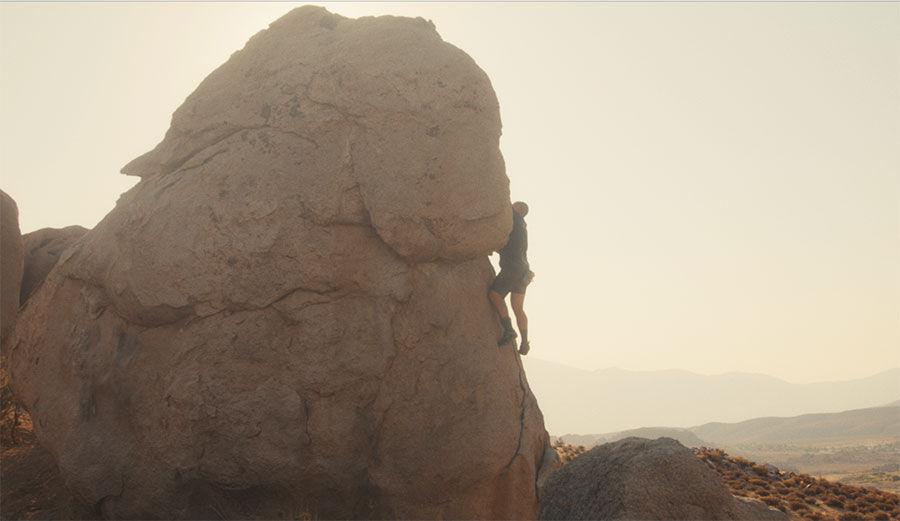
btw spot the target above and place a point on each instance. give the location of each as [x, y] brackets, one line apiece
[576, 400]
[868, 423]
[716, 375]
[872, 423]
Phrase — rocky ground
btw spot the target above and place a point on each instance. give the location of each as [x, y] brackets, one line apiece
[30, 484]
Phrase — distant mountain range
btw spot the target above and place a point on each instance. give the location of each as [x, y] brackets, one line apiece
[575, 401]
[874, 423]
[856, 426]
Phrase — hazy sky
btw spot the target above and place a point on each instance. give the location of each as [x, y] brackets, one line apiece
[713, 186]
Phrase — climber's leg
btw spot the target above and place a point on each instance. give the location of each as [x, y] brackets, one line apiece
[517, 300]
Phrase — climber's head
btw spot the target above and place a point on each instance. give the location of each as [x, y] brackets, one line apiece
[520, 208]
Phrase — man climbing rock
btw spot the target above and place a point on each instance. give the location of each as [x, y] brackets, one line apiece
[514, 277]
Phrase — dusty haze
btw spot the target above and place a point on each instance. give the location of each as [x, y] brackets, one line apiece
[713, 186]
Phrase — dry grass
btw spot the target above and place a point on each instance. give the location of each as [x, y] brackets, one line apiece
[568, 452]
[801, 496]
[10, 414]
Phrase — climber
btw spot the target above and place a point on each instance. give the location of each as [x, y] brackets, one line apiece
[514, 277]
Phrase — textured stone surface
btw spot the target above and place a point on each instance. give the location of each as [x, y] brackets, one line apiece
[637, 478]
[380, 103]
[11, 264]
[288, 313]
[42, 250]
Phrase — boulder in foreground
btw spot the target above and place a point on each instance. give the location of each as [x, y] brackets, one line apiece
[637, 478]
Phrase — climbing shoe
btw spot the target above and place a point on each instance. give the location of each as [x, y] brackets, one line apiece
[508, 336]
[525, 347]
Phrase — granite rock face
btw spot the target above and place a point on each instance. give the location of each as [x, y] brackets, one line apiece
[637, 478]
[42, 251]
[11, 264]
[288, 314]
[382, 104]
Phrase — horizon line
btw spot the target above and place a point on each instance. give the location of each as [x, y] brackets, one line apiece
[726, 373]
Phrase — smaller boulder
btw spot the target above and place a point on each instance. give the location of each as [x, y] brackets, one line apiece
[42, 251]
[11, 261]
[637, 478]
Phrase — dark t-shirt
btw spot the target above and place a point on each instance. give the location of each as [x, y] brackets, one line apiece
[514, 254]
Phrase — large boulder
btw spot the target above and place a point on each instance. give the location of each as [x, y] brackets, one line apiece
[42, 250]
[288, 314]
[11, 264]
[637, 478]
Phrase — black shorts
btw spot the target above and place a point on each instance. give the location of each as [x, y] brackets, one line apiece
[511, 280]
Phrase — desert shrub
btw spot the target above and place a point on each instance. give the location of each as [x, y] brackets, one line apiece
[882, 516]
[884, 505]
[10, 414]
[851, 516]
[567, 452]
[741, 462]
[834, 502]
[716, 455]
[772, 501]
[798, 505]
[760, 483]
[814, 491]
[762, 470]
